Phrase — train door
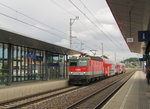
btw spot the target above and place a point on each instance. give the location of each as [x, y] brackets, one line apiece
[113, 70]
[108, 71]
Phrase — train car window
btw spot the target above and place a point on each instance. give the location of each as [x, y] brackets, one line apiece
[73, 63]
[83, 63]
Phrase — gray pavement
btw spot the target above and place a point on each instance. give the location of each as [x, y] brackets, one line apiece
[135, 94]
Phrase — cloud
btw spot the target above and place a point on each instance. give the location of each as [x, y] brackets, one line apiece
[57, 16]
[63, 42]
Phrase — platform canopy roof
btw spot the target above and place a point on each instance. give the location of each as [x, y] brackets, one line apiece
[132, 16]
[21, 40]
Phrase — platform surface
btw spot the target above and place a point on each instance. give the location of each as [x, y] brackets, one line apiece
[135, 94]
[25, 89]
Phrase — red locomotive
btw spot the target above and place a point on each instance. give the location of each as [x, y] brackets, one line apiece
[83, 70]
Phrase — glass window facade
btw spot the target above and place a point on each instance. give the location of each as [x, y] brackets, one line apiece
[28, 64]
[4, 69]
[56, 66]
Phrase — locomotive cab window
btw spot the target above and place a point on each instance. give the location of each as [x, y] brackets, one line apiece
[73, 63]
[83, 63]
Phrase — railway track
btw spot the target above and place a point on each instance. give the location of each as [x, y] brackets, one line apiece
[72, 97]
[67, 100]
[18, 103]
[97, 99]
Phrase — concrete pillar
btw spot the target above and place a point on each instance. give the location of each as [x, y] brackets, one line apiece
[66, 75]
[46, 66]
[9, 77]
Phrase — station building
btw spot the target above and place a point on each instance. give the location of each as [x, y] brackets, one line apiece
[27, 59]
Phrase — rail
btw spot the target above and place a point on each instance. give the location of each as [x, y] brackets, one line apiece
[86, 100]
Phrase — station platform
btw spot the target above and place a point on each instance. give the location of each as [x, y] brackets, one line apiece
[135, 94]
[25, 89]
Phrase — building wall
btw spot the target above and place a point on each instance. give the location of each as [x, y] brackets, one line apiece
[18, 64]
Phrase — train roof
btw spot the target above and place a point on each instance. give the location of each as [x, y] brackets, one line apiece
[96, 58]
[88, 58]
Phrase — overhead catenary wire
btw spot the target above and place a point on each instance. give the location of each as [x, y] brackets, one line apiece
[68, 13]
[65, 10]
[30, 25]
[54, 2]
[120, 47]
[32, 18]
[27, 23]
[95, 47]
[97, 42]
[96, 19]
[91, 21]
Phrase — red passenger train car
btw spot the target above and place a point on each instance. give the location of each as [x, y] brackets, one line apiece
[120, 68]
[123, 70]
[109, 68]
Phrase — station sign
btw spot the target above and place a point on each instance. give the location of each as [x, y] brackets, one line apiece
[129, 40]
[142, 59]
[53, 64]
[145, 57]
[144, 36]
[35, 57]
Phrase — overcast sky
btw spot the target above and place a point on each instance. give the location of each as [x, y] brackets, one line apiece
[48, 20]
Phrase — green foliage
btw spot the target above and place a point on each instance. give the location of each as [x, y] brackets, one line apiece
[131, 60]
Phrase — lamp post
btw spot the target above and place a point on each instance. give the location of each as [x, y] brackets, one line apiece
[71, 23]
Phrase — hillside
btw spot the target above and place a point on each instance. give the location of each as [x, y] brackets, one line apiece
[131, 62]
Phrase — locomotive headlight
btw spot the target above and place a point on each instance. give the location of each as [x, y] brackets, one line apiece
[70, 72]
[83, 72]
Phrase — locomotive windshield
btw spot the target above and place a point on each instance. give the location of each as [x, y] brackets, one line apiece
[82, 63]
[73, 63]
[78, 63]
